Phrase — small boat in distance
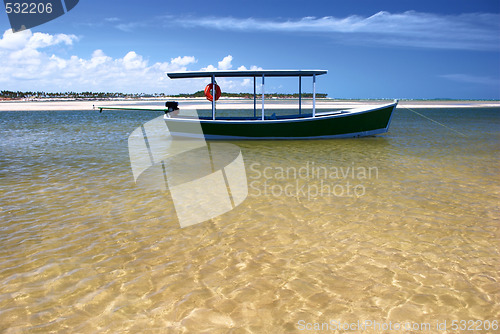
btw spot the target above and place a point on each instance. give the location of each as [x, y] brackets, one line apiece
[349, 123]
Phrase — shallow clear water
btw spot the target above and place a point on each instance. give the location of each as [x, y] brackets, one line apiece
[400, 228]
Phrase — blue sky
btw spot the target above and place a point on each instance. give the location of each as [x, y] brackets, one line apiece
[372, 49]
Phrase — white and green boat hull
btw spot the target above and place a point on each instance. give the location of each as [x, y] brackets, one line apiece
[345, 124]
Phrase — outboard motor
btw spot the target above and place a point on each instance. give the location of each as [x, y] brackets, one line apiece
[172, 106]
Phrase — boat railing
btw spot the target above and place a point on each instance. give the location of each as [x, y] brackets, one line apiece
[246, 113]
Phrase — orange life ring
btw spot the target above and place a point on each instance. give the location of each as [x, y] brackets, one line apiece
[208, 92]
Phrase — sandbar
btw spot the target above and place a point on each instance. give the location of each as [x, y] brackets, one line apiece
[232, 103]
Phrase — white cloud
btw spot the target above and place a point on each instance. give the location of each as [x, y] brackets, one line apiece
[225, 64]
[473, 31]
[209, 68]
[98, 58]
[252, 68]
[132, 61]
[471, 79]
[42, 40]
[131, 26]
[11, 41]
[27, 40]
[183, 61]
[230, 85]
[26, 65]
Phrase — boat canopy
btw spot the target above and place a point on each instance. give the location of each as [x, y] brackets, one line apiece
[246, 73]
[254, 73]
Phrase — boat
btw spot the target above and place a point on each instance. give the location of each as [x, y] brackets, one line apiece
[313, 124]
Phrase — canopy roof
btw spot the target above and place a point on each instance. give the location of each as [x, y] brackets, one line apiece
[256, 73]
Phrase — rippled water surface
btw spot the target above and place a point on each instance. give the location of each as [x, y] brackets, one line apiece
[400, 228]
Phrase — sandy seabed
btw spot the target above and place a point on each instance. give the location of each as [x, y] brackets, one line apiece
[87, 250]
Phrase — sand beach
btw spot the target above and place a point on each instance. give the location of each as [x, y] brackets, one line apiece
[230, 103]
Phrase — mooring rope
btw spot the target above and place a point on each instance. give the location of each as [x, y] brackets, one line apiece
[430, 119]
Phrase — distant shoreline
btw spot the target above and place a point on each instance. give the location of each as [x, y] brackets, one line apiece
[231, 103]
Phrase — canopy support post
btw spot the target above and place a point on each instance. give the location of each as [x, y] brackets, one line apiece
[314, 95]
[254, 98]
[213, 97]
[262, 96]
[300, 94]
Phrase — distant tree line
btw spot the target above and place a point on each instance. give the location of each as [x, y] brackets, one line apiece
[7, 94]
